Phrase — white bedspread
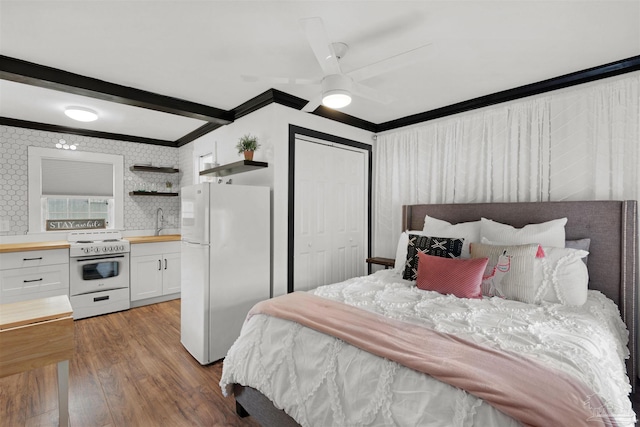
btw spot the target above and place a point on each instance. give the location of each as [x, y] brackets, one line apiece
[321, 381]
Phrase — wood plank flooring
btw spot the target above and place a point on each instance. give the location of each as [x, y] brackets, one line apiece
[129, 369]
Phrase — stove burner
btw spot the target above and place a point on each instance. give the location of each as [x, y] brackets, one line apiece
[111, 240]
[84, 241]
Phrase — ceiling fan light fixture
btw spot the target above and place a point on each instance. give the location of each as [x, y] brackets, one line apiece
[81, 114]
[336, 99]
[336, 91]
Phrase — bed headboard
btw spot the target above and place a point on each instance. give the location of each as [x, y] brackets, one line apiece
[612, 227]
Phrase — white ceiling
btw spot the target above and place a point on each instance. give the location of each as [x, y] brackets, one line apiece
[197, 51]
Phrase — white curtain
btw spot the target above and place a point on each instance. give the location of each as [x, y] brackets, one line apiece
[581, 143]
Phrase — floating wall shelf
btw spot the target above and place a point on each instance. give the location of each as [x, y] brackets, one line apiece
[144, 168]
[153, 193]
[233, 168]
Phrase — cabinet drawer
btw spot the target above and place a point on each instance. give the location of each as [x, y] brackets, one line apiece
[21, 284]
[142, 249]
[24, 259]
[97, 303]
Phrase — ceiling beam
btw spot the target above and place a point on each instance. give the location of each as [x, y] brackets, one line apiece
[7, 121]
[29, 73]
[193, 135]
[339, 116]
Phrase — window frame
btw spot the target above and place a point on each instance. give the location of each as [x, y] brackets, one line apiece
[35, 156]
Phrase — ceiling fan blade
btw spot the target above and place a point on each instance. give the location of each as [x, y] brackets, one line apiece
[313, 104]
[368, 92]
[393, 63]
[278, 80]
[320, 44]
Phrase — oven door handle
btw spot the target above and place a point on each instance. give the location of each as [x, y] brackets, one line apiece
[99, 258]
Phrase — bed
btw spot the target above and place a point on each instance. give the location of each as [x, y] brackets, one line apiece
[260, 370]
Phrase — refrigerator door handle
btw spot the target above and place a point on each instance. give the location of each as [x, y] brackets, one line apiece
[184, 242]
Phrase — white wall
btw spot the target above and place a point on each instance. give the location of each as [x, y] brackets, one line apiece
[271, 125]
[139, 211]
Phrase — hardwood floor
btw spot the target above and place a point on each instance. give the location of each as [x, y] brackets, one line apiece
[129, 369]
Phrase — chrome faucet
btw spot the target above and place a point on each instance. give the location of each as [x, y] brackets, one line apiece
[159, 220]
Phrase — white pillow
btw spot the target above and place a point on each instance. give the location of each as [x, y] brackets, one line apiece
[469, 231]
[561, 276]
[550, 233]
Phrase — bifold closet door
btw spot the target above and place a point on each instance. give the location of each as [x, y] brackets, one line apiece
[330, 214]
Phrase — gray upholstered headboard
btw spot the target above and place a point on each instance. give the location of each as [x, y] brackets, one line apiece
[612, 227]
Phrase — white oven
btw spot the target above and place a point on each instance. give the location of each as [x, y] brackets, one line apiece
[98, 272]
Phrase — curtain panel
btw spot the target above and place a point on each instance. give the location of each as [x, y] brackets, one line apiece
[580, 143]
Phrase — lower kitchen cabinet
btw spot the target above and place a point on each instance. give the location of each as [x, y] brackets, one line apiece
[155, 272]
[26, 275]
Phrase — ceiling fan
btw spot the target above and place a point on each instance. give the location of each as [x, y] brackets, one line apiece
[338, 86]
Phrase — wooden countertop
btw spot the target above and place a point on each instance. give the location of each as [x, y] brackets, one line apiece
[63, 244]
[153, 239]
[34, 311]
[33, 246]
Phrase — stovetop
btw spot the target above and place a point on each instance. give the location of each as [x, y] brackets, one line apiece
[92, 236]
[96, 242]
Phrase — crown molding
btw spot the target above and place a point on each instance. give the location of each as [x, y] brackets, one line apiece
[38, 75]
[579, 77]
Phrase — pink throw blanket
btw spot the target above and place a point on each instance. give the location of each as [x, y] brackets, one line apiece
[519, 387]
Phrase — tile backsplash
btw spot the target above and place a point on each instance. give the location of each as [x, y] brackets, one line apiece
[139, 211]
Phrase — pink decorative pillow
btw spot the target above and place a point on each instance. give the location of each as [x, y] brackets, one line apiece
[460, 277]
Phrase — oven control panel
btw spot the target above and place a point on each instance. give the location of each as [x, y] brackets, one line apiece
[96, 242]
[88, 250]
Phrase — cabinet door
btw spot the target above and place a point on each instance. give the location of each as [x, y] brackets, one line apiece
[171, 273]
[146, 277]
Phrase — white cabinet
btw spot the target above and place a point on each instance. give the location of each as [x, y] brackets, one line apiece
[155, 271]
[29, 275]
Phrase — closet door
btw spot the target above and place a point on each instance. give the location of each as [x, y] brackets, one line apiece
[330, 214]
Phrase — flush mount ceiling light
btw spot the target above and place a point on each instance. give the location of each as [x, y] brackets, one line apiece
[336, 91]
[81, 114]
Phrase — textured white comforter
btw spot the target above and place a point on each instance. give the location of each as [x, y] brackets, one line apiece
[321, 381]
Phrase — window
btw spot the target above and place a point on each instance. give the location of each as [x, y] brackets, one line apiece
[66, 185]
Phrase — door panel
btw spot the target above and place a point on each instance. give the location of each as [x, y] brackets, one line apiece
[330, 215]
[146, 277]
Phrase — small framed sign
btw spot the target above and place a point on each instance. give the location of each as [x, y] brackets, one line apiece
[74, 224]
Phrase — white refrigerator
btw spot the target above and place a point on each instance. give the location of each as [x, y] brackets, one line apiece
[226, 263]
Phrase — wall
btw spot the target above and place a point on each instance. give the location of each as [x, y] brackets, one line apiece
[271, 125]
[139, 211]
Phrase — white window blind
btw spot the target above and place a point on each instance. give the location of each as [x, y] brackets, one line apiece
[73, 178]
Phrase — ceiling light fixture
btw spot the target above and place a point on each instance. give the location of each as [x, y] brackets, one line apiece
[81, 114]
[63, 145]
[336, 91]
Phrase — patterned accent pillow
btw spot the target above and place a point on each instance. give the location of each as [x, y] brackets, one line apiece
[436, 246]
[469, 231]
[459, 277]
[510, 271]
[401, 251]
